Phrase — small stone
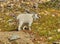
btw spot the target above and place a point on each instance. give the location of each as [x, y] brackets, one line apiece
[10, 20]
[48, 0]
[11, 23]
[49, 38]
[1, 5]
[43, 1]
[12, 4]
[38, 41]
[14, 37]
[53, 15]
[7, 14]
[58, 30]
[46, 13]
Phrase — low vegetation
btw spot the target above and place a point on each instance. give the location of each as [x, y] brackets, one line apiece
[48, 25]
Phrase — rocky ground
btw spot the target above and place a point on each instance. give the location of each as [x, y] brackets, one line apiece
[25, 37]
[46, 30]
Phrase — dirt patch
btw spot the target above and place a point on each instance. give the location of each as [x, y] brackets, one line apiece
[26, 37]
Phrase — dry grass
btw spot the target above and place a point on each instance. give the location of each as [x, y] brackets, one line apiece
[47, 26]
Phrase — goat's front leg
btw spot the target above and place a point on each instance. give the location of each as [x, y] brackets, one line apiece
[20, 25]
[30, 23]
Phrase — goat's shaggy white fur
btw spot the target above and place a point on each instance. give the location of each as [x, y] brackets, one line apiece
[26, 18]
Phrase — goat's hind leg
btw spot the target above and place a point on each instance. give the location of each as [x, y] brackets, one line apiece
[20, 25]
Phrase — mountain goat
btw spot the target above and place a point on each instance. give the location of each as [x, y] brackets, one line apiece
[26, 18]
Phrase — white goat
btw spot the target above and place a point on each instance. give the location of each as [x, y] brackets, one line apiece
[26, 18]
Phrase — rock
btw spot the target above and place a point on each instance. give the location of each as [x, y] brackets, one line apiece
[14, 37]
[38, 42]
[11, 23]
[43, 1]
[10, 20]
[58, 30]
[53, 15]
[49, 38]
